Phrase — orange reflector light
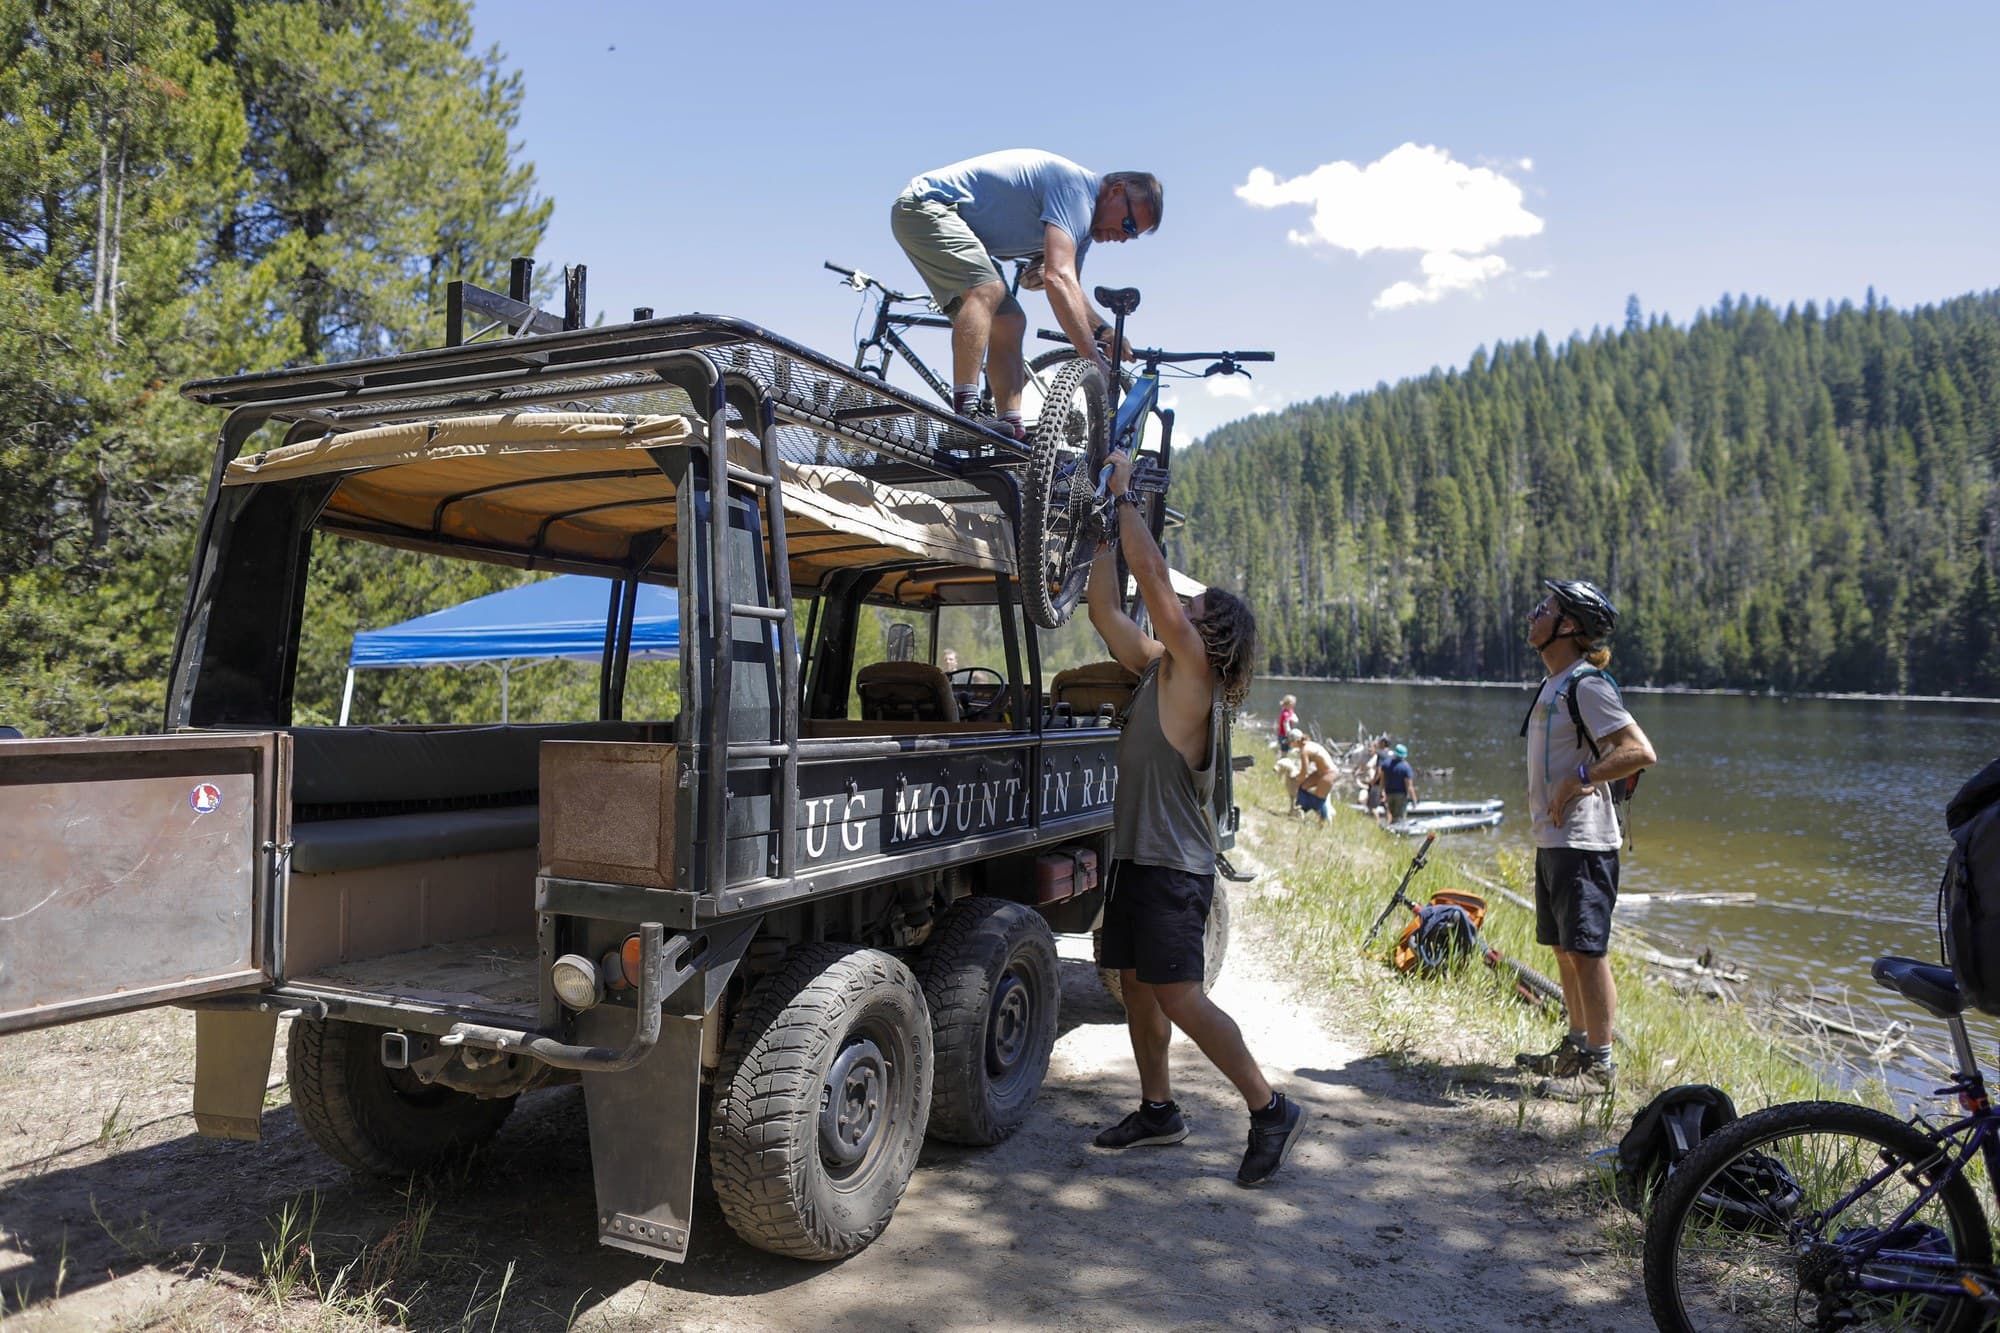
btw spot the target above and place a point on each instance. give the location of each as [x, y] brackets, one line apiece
[629, 955]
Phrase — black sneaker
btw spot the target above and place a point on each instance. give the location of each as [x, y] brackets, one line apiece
[1270, 1144]
[1145, 1128]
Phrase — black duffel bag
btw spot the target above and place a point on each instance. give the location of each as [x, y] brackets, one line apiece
[1969, 897]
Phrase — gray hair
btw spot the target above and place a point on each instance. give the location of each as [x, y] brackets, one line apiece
[1143, 187]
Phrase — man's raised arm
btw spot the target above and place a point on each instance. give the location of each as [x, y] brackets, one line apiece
[1171, 626]
[1121, 634]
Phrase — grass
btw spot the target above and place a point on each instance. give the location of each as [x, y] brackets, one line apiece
[1460, 1031]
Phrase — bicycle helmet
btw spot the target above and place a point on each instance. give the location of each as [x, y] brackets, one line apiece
[1586, 604]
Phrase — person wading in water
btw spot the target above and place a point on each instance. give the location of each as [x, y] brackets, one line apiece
[1163, 836]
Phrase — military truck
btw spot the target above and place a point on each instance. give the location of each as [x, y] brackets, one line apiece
[810, 915]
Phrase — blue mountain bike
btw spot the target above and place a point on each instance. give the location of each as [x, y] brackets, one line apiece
[1067, 509]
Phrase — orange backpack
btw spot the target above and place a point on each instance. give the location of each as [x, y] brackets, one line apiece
[1442, 934]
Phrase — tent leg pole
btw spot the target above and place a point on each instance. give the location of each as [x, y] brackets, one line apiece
[503, 691]
[347, 697]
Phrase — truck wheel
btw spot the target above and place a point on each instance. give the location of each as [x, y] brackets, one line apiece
[990, 978]
[378, 1121]
[820, 1102]
[1214, 947]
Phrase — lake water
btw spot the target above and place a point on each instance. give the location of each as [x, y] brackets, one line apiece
[1831, 811]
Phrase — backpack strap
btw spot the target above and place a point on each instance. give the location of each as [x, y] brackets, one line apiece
[1533, 699]
[1583, 736]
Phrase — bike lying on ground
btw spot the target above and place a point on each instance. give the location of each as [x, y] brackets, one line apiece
[1828, 1215]
[1067, 505]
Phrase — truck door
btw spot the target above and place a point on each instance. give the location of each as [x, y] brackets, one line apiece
[135, 871]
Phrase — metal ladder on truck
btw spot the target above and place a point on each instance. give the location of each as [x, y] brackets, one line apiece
[726, 754]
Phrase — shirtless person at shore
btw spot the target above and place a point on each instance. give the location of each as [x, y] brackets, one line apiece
[1163, 837]
[1316, 774]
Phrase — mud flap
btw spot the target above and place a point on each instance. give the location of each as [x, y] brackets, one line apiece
[232, 1065]
[645, 1129]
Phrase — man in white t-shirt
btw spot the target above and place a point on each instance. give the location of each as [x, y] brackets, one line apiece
[1580, 741]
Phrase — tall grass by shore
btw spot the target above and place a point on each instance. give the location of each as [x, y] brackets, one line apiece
[1466, 1027]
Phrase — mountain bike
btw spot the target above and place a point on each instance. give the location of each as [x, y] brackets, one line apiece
[1067, 509]
[897, 311]
[1828, 1215]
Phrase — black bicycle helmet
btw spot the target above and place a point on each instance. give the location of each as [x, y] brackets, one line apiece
[1586, 604]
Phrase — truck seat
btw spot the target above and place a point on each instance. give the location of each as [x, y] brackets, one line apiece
[905, 692]
[1089, 689]
[371, 796]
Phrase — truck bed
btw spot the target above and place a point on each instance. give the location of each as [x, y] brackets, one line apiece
[492, 976]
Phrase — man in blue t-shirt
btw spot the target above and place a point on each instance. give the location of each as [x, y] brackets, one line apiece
[1399, 783]
[955, 223]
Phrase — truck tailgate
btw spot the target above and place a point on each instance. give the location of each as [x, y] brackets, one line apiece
[135, 871]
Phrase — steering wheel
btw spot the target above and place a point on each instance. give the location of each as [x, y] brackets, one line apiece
[966, 680]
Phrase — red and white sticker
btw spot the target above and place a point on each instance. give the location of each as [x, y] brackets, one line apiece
[205, 798]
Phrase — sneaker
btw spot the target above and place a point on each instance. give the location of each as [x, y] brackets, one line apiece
[1270, 1144]
[1561, 1062]
[1145, 1129]
[1595, 1079]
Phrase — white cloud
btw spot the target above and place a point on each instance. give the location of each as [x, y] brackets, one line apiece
[1416, 198]
[1229, 386]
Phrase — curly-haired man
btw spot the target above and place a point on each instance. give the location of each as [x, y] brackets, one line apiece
[1163, 837]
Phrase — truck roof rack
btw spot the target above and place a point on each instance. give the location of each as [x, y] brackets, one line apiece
[827, 412]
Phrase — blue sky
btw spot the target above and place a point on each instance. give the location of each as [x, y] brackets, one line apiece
[709, 157]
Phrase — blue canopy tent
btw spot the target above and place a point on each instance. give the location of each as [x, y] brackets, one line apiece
[561, 617]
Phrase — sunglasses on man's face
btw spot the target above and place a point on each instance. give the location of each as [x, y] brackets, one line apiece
[1130, 225]
[1542, 608]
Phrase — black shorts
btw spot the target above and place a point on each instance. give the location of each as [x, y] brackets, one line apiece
[1575, 891]
[1155, 922]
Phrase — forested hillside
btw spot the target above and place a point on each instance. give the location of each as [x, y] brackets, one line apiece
[202, 187]
[1799, 499]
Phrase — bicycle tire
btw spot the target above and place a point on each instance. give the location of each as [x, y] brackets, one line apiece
[1055, 541]
[1827, 1148]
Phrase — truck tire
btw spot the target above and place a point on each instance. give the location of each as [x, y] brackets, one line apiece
[377, 1121]
[991, 980]
[821, 1101]
[1214, 947]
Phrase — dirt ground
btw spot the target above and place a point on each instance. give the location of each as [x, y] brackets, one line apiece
[1408, 1204]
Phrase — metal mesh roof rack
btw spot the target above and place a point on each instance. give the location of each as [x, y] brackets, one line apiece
[827, 412]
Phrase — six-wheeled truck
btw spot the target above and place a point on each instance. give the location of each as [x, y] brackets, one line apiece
[812, 912]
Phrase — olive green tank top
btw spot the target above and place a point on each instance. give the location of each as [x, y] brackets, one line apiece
[1162, 814]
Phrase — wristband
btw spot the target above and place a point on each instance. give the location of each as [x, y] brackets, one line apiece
[1583, 774]
[1100, 330]
[1129, 496]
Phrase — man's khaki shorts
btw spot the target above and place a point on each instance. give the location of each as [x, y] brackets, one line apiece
[951, 260]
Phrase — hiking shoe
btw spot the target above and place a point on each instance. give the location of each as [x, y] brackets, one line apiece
[1561, 1062]
[1270, 1144]
[1145, 1129]
[1595, 1079]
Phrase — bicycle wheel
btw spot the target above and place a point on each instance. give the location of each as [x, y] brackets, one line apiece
[1766, 1226]
[1058, 528]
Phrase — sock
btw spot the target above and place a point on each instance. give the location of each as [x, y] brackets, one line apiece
[964, 397]
[1158, 1108]
[1011, 424]
[1576, 1038]
[1598, 1055]
[1273, 1113]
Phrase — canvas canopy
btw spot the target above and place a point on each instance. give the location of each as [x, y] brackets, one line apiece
[579, 490]
[561, 617]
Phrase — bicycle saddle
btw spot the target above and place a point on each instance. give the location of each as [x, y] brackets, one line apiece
[1930, 986]
[1118, 300]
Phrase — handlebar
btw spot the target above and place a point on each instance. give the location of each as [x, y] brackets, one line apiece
[1225, 362]
[861, 282]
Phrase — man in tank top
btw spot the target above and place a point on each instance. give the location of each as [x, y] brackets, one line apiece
[1197, 662]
